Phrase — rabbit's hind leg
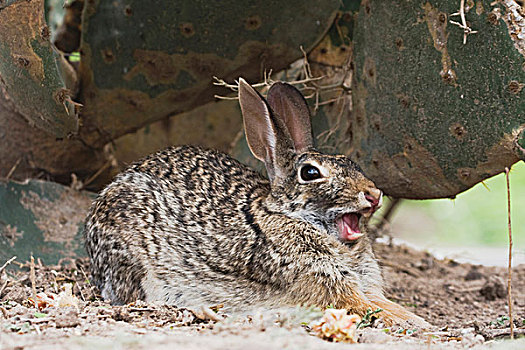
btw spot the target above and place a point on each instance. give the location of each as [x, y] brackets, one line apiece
[117, 272]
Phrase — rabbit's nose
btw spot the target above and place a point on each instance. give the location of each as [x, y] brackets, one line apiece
[374, 196]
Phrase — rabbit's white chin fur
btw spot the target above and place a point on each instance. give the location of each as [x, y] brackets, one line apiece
[346, 226]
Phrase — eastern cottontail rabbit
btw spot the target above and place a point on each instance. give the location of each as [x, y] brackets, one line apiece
[190, 227]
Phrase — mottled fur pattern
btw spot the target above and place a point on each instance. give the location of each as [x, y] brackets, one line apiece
[191, 227]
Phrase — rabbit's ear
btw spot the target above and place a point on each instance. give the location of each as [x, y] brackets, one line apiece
[267, 138]
[290, 106]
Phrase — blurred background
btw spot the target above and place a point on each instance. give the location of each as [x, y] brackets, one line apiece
[472, 227]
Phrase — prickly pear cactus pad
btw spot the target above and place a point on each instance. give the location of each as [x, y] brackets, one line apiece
[141, 62]
[43, 219]
[438, 106]
[29, 68]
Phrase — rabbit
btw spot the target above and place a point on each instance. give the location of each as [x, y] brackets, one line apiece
[189, 226]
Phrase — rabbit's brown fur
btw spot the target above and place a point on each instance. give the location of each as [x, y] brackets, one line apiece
[191, 227]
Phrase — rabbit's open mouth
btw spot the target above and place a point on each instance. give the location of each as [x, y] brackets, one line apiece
[348, 226]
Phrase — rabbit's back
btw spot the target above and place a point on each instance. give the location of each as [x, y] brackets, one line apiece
[172, 223]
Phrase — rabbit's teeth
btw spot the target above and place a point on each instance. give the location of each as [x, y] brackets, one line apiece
[348, 226]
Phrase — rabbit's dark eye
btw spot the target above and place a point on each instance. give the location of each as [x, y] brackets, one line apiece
[309, 173]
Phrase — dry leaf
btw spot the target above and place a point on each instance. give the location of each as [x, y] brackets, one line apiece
[337, 325]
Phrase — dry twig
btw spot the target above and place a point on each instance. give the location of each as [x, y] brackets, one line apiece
[389, 211]
[325, 135]
[497, 333]
[92, 178]
[84, 274]
[509, 280]
[80, 290]
[13, 168]
[32, 277]
[141, 309]
[338, 91]
[268, 81]
[7, 263]
[4, 285]
[4, 312]
[463, 25]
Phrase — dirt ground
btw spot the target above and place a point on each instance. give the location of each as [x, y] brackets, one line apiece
[466, 304]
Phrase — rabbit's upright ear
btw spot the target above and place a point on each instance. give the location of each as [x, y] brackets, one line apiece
[258, 125]
[289, 105]
[267, 138]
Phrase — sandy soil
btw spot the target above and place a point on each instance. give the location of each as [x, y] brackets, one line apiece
[466, 304]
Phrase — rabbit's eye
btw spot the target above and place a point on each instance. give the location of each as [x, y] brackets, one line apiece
[309, 173]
